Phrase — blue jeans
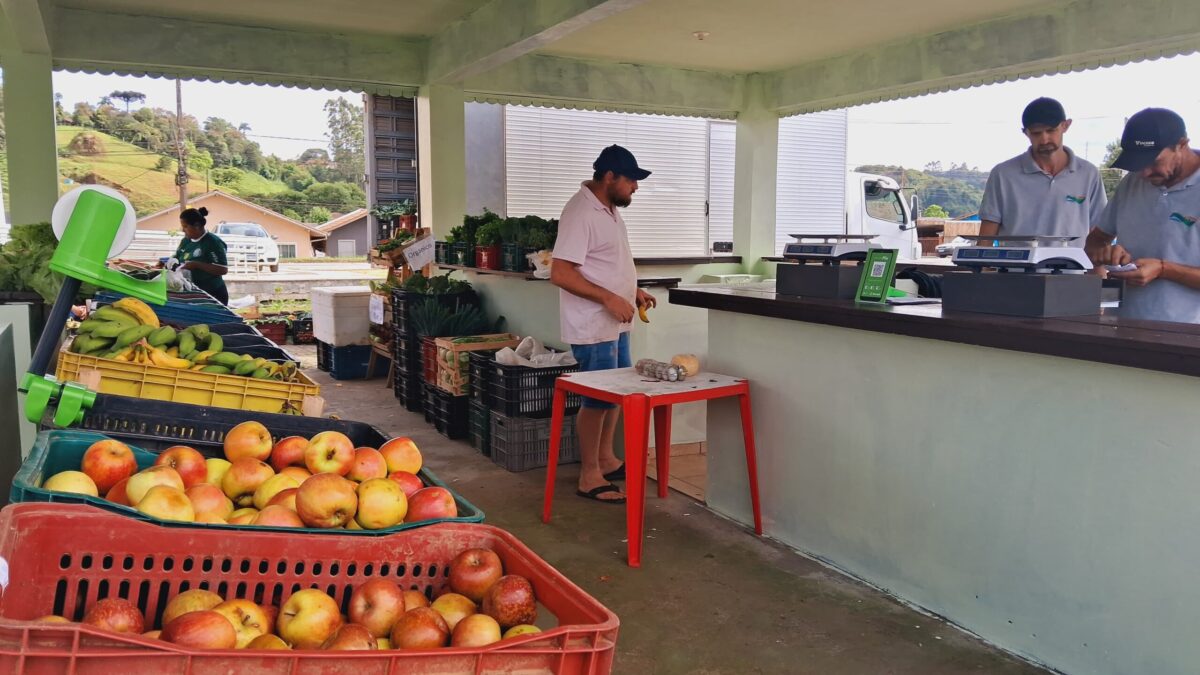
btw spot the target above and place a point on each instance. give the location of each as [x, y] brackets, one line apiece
[602, 356]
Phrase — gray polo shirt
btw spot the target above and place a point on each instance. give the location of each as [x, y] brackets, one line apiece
[1028, 201]
[1163, 223]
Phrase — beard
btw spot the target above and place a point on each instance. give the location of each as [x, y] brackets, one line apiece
[1047, 149]
[621, 202]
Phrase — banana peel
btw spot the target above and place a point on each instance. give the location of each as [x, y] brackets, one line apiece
[642, 314]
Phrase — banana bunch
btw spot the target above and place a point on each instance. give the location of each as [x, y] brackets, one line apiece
[114, 327]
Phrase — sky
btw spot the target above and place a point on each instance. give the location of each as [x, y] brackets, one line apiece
[284, 121]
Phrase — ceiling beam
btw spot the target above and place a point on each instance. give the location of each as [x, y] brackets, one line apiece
[503, 30]
[100, 40]
[27, 25]
[1076, 35]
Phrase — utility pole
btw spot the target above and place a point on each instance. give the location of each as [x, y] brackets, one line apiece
[181, 178]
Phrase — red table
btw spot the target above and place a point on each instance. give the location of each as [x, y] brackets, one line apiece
[640, 398]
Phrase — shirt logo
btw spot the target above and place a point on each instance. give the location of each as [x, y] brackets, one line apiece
[1077, 199]
[196, 253]
[1182, 219]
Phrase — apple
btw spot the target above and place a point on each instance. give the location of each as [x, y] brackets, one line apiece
[401, 454]
[381, 503]
[108, 462]
[248, 619]
[242, 516]
[409, 482]
[351, 637]
[352, 524]
[326, 500]
[272, 612]
[141, 482]
[243, 478]
[329, 452]
[299, 473]
[368, 463]
[211, 519]
[277, 516]
[267, 641]
[288, 451]
[510, 601]
[153, 634]
[205, 629]
[521, 629]
[473, 572]
[216, 468]
[167, 503]
[271, 487]
[188, 462]
[116, 614]
[414, 599]
[207, 499]
[453, 607]
[420, 628]
[116, 494]
[431, 503]
[383, 643]
[308, 618]
[195, 600]
[75, 482]
[377, 605]
[53, 618]
[286, 497]
[248, 439]
[477, 630]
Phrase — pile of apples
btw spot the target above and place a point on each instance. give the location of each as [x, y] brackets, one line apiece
[320, 482]
[479, 603]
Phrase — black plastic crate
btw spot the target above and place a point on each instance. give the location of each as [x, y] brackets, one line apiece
[520, 391]
[344, 363]
[302, 331]
[479, 418]
[323, 356]
[480, 363]
[521, 444]
[410, 392]
[446, 412]
[407, 355]
[403, 304]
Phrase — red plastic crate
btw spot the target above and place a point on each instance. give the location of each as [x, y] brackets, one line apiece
[429, 360]
[63, 558]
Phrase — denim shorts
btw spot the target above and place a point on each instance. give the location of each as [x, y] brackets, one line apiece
[602, 356]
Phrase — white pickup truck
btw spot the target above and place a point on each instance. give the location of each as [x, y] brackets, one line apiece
[251, 243]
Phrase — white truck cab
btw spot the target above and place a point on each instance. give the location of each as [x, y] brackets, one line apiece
[876, 205]
[250, 242]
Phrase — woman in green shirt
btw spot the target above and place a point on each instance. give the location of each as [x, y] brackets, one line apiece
[202, 253]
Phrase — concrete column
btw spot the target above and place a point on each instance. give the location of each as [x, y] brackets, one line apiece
[441, 152]
[754, 178]
[29, 125]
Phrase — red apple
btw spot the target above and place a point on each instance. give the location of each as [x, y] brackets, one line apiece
[205, 629]
[326, 500]
[477, 630]
[401, 454]
[207, 499]
[381, 504]
[368, 463]
[108, 462]
[267, 641]
[187, 462]
[329, 452]
[377, 605]
[76, 482]
[167, 503]
[285, 498]
[248, 439]
[510, 601]
[351, 637]
[272, 612]
[242, 516]
[453, 608]
[153, 634]
[194, 600]
[247, 618]
[299, 473]
[521, 629]
[288, 451]
[308, 618]
[277, 516]
[116, 493]
[243, 478]
[141, 482]
[116, 614]
[271, 487]
[409, 482]
[473, 572]
[420, 628]
[414, 599]
[431, 503]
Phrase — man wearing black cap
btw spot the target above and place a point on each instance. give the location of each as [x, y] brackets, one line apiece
[1152, 220]
[593, 268]
[1045, 190]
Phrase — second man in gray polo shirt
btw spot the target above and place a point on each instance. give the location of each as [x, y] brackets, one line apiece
[1045, 190]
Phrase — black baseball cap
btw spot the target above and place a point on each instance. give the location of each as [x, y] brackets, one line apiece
[1145, 136]
[1043, 111]
[620, 161]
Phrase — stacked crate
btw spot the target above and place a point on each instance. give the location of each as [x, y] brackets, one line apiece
[409, 382]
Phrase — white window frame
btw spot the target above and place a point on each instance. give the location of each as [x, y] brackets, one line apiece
[295, 250]
[353, 245]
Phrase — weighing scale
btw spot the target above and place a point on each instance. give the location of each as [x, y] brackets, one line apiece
[820, 272]
[1035, 276]
[93, 223]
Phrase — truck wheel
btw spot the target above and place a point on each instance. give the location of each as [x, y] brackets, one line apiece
[275, 267]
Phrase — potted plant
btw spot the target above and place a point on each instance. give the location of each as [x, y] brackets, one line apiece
[511, 231]
[487, 246]
[385, 213]
[460, 246]
[407, 212]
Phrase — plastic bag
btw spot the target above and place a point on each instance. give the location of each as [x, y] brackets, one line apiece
[541, 261]
[533, 354]
[178, 279]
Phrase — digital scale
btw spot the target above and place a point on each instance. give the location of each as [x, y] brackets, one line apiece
[820, 272]
[1034, 276]
[829, 248]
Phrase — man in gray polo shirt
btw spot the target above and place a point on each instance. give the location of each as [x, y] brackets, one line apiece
[1045, 190]
[1153, 221]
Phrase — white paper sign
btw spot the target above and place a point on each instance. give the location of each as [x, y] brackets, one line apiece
[375, 309]
[420, 253]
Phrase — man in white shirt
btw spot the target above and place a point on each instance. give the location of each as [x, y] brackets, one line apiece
[593, 267]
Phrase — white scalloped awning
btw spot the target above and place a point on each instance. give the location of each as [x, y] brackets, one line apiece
[572, 104]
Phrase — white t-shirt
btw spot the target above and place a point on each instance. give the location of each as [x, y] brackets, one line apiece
[595, 238]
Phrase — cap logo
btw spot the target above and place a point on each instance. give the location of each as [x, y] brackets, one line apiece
[1145, 144]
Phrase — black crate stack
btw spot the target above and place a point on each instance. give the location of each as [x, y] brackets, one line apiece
[409, 385]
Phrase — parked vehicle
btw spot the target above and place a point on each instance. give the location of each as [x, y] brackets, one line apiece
[251, 242]
[947, 249]
[876, 205]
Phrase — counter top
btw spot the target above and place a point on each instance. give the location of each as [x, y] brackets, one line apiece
[1105, 338]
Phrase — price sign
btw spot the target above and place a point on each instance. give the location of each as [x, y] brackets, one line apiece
[419, 253]
[375, 309]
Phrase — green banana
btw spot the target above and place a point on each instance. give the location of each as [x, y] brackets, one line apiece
[219, 370]
[161, 337]
[187, 343]
[110, 329]
[245, 368]
[261, 374]
[201, 331]
[227, 359]
[132, 335]
[88, 326]
[216, 343]
[110, 313]
[85, 344]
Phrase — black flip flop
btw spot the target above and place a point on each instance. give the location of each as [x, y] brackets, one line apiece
[594, 494]
[616, 474]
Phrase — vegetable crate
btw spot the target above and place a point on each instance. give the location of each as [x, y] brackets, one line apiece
[520, 444]
[453, 358]
[403, 304]
[175, 310]
[147, 381]
[429, 361]
[410, 391]
[447, 414]
[441, 252]
[62, 450]
[63, 559]
[407, 351]
[343, 363]
[480, 424]
[521, 391]
[302, 331]
[481, 375]
[275, 331]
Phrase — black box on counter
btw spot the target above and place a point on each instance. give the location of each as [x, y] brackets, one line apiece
[1021, 294]
[837, 282]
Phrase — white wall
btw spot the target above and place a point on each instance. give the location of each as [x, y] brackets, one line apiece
[810, 189]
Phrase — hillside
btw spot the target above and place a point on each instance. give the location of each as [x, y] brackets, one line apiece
[958, 190]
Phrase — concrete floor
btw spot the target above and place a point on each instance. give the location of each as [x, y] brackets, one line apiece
[710, 597]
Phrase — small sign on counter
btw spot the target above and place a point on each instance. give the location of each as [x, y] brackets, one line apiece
[419, 253]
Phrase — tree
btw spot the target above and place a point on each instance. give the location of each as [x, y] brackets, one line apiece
[128, 97]
[1110, 175]
[318, 215]
[82, 117]
[1111, 152]
[933, 166]
[347, 139]
[934, 211]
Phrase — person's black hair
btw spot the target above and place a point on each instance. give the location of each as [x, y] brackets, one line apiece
[194, 217]
[599, 175]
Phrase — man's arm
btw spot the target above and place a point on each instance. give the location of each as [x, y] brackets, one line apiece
[566, 275]
[1100, 249]
[1181, 274]
[989, 228]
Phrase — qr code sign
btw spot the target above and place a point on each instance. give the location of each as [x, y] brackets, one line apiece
[878, 267]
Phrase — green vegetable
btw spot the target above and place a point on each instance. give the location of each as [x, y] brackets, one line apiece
[25, 262]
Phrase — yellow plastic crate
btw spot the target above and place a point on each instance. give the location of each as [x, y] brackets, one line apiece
[185, 386]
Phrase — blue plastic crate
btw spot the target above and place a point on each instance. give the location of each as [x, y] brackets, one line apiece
[344, 363]
[181, 313]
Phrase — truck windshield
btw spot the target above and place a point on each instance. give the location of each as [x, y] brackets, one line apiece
[243, 229]
[884, 205]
